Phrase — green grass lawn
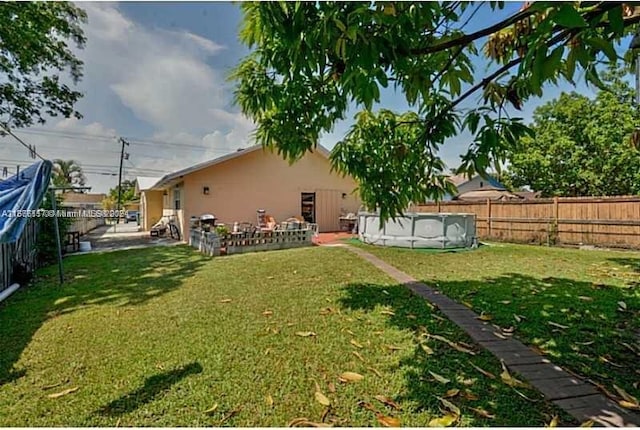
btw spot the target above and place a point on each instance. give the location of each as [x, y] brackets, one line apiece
[166, 337]
[579, 307]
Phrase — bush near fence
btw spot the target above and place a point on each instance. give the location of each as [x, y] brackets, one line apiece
[598, 221]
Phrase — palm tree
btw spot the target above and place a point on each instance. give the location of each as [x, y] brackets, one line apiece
[67, 173]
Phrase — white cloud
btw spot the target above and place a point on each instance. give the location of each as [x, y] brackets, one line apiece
[155, 80]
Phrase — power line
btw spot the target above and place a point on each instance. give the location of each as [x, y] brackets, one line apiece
[32, 150]
[138, 141]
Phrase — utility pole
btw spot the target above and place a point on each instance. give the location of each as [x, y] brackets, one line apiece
[122, 157]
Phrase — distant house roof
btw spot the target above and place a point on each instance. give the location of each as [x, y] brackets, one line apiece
[145, 182]
[489, 193]
[162, 182]
[85, 198]
[459, 180]
[528, 194]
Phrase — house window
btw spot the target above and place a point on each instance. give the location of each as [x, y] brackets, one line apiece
[481, 184]
[205, 191]
[176, 199]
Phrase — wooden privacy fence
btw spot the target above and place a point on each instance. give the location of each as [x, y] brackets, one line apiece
[22, 252]
[600, 221]
[235, 243]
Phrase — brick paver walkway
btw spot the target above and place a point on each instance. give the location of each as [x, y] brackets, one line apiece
[578, 398]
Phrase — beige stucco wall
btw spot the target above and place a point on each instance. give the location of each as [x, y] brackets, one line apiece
[263, 180]
[150, 208]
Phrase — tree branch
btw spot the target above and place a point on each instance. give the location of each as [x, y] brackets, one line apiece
[468, 38]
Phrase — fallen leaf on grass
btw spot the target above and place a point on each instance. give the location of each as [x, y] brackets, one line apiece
[510, 380]
[485, 317]
[269, 400]
[368, 406]
[390, 313]
[212, 409]
[225, 301]
[304, 422]
[444, 421]
[622, 306]
[554, 422]
[483, 413]
[451, 393]
[591, 342]
[469, 395]
[554, 324]
[629, 401]
[441, 379]
[63, 393]
[231, 414]
[48, 387]
[426, 349]
[588, 423]
[518, 318]
[332, 387]
[387, 401]
[357, 354]
[326, 311]
[585, 298]
[350, 377]
[378, 374]
[505, 302]
[388, 421]
[411, 316]
[267, 313]
[305, 333]
[604, 359]
[322, 399]
[356, 343]
[484, 372]
[453, 345]
[393, 348]
[467, 304]
[450, 406]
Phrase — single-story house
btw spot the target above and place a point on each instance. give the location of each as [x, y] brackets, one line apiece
[235, 186]
[83, 200]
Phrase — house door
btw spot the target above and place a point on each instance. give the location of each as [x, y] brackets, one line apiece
[328, 210]
[308, 207]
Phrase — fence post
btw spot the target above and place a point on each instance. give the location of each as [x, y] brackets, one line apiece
[556, 219]
[489, 218]
[438, 206]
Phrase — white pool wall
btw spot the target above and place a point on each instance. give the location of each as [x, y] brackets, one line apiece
[419, 230]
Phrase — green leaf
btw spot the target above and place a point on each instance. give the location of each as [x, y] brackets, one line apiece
[553, 62]
[340, 25]
[568, 17]
[605, 46]
[615, 20]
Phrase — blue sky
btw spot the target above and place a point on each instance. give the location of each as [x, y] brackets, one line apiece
[156, 74]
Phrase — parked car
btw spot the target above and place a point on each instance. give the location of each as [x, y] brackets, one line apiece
[131, 216]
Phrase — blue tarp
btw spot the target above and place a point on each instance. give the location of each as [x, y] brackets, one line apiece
[21, 195]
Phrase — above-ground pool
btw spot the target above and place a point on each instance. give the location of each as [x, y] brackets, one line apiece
[419, 230]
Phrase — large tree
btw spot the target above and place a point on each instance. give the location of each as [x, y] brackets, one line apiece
[67, 173]
[581, 145]
[34, 50]
[312, 61]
